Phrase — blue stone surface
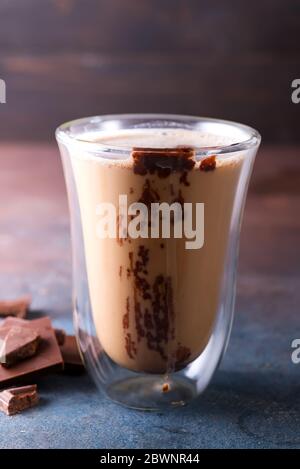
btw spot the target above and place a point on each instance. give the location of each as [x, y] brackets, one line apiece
[253, 400]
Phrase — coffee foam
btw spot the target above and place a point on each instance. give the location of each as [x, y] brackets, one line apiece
[154, 138]
[161, 138]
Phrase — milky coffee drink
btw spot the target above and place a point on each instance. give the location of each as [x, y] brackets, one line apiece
[154, 302]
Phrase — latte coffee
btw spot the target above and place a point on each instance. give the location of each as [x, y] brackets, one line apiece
[154, 302]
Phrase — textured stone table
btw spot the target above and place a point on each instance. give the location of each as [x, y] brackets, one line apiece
[254, 399]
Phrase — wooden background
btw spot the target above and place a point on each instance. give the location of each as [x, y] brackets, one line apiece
[63, 59]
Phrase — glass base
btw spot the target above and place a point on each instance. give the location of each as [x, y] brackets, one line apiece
[152, 393]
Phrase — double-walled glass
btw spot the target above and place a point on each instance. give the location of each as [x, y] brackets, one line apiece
[153, 313]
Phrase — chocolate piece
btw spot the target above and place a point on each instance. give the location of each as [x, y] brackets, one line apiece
[12, 321]
[162, 161]
[16, 308]
[71, 355]
[15, 400]
[18, 343]
[208, 164]
[48, 357]
[60, 336]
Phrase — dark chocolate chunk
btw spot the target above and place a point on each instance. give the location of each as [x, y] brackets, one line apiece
[16, 308]
[60, 336]
[48, 358]
[17, 344]
[71, 356]
[15, 400]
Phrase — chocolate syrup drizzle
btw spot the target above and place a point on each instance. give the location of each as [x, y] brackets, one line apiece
[153, 303]
[154, 322]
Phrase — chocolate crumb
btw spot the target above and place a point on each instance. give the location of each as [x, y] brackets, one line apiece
[165, 387]
[208, 164]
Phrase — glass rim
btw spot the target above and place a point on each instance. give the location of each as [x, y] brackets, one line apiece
[64, 132]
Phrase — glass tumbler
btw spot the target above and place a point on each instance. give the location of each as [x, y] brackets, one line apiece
[156, 203]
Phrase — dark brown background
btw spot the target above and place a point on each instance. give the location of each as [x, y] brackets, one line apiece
[64, 59]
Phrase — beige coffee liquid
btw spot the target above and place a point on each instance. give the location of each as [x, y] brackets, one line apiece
[154, 302]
